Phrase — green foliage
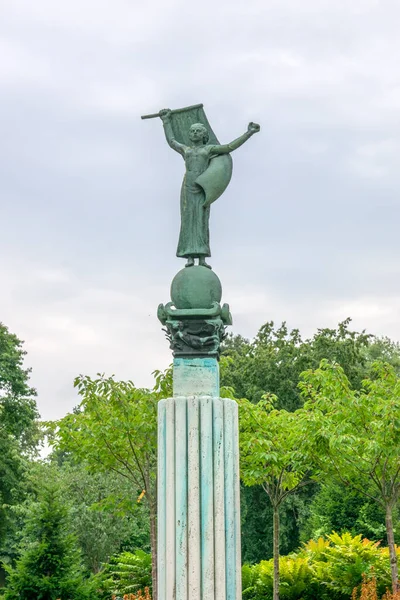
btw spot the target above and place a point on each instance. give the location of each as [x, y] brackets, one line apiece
[17, 404]
[13, 377]
[256, 514]
[18, 429]
[115, 429]
[340, 562]
[337, 507]
[326, 569]
[127, 573]
[272, 363]
[49, 566]
[163, 383]
[106, 517]
[104, 514]
[384, 349]
[272, 455]
[355, 434]
[271, 449]
[249, 578]
[12, 472]
[274, 360]
[19, 513]
[296, 579]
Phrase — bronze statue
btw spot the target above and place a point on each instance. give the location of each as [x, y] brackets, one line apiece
[208, 172]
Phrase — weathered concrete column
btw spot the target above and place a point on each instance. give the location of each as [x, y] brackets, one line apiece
[198, 488]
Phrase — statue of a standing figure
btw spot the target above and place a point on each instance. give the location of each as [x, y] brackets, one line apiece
[208, 171]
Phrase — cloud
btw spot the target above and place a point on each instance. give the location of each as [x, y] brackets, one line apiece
[89, 193]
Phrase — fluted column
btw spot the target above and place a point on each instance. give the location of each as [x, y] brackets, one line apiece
[198, 488]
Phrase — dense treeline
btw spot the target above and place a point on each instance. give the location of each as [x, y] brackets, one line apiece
[81, 524]
[273, 363]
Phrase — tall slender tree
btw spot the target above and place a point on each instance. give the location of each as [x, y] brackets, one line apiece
[115, 429]
[18, 427]
[355, 435]
[272, 455]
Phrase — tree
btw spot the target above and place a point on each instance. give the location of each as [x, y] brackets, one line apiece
[273, 363]
[18, 410]
[257, 516]
[13, 377]
[128, 573]
[274, 360]
[355, 435]
[115, 429]
[18, 428]
[49, 566]
[384, 349]
[272, 455]
[336, 507]
[104, 515]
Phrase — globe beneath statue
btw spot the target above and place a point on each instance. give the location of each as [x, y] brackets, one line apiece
[195, 287]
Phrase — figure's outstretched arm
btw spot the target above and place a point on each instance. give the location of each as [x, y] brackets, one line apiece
[165, 115]
[226, 148]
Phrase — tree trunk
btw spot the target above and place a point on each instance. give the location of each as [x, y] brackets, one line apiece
[276, 553]
[392, 549]
[153, 545]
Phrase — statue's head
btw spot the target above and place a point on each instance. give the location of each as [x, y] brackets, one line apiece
[198, 132]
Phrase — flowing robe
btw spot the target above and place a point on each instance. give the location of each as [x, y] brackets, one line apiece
[207, 176]
[194, 237]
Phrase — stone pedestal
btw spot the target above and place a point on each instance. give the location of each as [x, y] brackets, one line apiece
[198, 488]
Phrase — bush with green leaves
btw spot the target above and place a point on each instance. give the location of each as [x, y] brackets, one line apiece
[296, 579]
[339, 563]
[49, 566]
[327, 569]
[127, 572]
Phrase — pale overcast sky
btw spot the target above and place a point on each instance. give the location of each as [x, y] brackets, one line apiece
[308, 230]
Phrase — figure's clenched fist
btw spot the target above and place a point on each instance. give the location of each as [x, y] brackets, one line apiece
[253, 127]
[165, 113]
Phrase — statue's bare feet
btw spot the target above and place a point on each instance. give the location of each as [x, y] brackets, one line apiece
[190, 262]
[202, 263]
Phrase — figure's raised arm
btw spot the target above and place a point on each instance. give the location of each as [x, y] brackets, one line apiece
[227, 148]
[165, 116]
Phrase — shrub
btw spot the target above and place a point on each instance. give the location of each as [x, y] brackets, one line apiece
[128, 573]
[49, 565]
[249, 577]
[368, 591]
[338, 567]
[340, 562]
[296, 579]
[391, 596]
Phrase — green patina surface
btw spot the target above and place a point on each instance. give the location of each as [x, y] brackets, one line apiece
[197, 287]
[196, 377]
[208, 172]
[194, 321]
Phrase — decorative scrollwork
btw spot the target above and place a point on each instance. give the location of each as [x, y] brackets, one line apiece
[195, 337]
